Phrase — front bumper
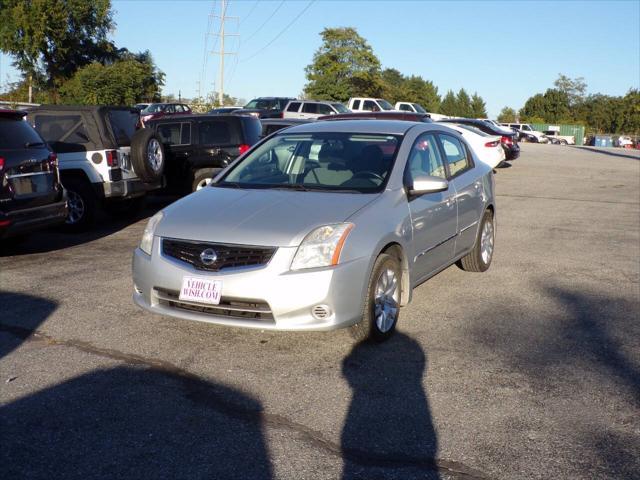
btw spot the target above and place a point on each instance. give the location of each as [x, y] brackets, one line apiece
[26, 220]
[269, 297]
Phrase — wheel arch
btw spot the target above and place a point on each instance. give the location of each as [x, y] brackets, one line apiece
[395, 250]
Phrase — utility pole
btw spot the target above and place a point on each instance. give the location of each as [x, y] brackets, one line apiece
[223, 17]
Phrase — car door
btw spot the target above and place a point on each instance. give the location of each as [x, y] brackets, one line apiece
[217, 140]
[309, 110]
[467, 182]
[433, 215]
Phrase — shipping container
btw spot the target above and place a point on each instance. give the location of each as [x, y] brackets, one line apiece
[576, 131]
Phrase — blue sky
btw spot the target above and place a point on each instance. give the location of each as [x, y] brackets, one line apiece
[506, 51]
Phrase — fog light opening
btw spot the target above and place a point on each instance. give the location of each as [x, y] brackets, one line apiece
[321, 312]
[137, 289]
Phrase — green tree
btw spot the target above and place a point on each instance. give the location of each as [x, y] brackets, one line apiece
[449, 104]
[629, 115]
[394, 85]
[52, 39]
[574, 88]
[424, 92]
[507, 115]
[344, 66]
[123, 82]
[463, 104]
[478, 107]
[534, 107]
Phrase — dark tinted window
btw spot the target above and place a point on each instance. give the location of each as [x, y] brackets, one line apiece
[310, 108]
[370, 106]
[356, 104]
[185, 138]
[252, 130]
[123, 123]
[405, 108]
[214, 133]
[269, 129]
[293, 107]
[16, 134]
[169, 133]
[65, 133]
[324, 109]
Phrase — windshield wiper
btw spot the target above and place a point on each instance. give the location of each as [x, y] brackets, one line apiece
[226, 184]
[33, 144]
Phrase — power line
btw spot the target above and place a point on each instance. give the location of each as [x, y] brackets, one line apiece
[255, 4]
[280, 33]
[266, 21]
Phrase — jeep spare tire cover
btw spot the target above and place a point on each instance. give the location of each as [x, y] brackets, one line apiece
[147, 155]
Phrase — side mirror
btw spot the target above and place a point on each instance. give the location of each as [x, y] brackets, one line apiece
[428, 184]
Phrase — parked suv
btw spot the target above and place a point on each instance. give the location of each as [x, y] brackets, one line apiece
[103, 159]
[310, 109]
[197, 147]
[266, 107]
[31, 195]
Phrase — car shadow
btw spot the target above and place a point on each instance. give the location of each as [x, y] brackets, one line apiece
[130, 422]
[612, 153]
[53, 239]
[17, 325]
[388, 432]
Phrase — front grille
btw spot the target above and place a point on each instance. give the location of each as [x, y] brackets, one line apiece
[228, 307]
[228, 256]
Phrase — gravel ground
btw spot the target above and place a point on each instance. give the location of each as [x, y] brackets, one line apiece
[531, 370]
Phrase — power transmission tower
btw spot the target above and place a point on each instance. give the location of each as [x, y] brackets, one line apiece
[223, 17]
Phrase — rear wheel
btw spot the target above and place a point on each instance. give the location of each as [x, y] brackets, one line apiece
[479, 259]
[82, 204]
[382, 303]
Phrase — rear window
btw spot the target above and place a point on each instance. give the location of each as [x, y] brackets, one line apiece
[64, 132]
[212, 132]
[123, 124]
[17, 134]
[174, 133]
[252, 130]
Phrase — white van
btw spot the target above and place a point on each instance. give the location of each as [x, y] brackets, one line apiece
[311, 109]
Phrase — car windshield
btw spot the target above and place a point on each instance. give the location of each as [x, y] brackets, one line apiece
[340, 108]
[419, 108]
[262, 104]
[339, 162]
[384, 104]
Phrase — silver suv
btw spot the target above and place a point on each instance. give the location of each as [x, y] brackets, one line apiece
[311, 109]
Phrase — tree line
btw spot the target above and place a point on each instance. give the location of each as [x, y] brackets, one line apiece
[569, 103]
[63, 51]
[345, 66]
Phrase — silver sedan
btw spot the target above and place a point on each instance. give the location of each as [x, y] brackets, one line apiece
[321, 226]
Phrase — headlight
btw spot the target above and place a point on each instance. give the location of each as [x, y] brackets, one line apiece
[147, 237]
[321, 247]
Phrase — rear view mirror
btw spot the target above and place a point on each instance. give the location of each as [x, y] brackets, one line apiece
[428, 184]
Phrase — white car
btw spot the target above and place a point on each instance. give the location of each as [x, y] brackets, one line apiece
[486, 147]
[361, 104]
[312, 109]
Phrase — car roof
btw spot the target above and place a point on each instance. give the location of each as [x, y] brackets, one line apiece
[195, 116]
[390, 127]
[79, 108]
[6, 113]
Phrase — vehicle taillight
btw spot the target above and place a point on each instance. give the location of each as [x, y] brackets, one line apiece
[506, 140]
[492, 144]
[112, 158]
[53, 161]
[243, 148]
[1, 163]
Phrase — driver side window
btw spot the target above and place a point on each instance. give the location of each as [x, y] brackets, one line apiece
[425, 159]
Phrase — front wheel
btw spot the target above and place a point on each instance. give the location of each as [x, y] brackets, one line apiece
[203, 177]
[82, 205]
[382, 303]
[479, 259]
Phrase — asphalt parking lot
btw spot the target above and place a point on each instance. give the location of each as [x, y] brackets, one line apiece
[531, 370]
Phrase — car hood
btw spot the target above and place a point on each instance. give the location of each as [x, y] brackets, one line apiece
[270, 217]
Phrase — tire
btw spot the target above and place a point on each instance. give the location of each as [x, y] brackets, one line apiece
[564, 142]
[82, 203]
[479, 259]
[202, 177]
[148, 155]
[372, 327]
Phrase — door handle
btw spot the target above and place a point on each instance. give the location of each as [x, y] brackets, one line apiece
[450, 201]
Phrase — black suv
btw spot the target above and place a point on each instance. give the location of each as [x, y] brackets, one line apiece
[31, 195]
[197, 147]
[265, 107]
[509, 141]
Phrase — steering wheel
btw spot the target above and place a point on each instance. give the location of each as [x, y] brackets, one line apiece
[367, 174]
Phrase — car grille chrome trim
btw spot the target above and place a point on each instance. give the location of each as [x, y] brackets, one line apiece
[228, 307]
[228, 255]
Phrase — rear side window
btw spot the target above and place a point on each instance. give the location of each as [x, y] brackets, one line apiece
[169, 133]
[455, 153]
[65, 133]
[310, 108]
[123, 124]
[15, 134]
[293, 107]
[214, 133]
[356, 104]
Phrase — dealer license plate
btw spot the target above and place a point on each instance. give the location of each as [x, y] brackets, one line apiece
[201, 290]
